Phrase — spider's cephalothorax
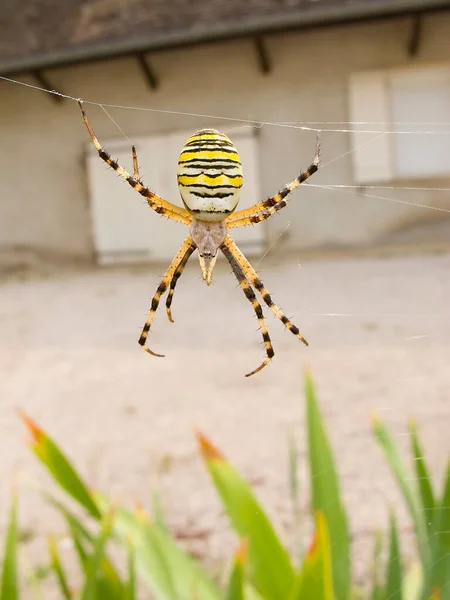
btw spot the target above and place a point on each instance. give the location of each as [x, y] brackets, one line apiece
[210, 180]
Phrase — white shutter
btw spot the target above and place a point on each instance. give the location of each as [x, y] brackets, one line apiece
[126, 229]
[369, 101]
[420, 95]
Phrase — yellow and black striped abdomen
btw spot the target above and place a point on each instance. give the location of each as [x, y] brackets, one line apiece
[209, 175]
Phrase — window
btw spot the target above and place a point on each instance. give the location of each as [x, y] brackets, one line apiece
[403, 98]
[125, 229]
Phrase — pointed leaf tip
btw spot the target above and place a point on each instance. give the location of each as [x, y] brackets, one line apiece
[412, 424]
[33, 428]
[241, 552]
[139, 511]
[208, 450]
[320, 523]
[312, 550]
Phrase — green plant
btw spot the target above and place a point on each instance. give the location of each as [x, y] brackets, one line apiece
[261, 568]
[430, 515]
[9, 586]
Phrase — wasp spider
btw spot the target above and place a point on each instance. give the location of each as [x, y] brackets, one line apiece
[210, 180]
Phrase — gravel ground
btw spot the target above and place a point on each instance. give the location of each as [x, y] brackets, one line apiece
[379, 331]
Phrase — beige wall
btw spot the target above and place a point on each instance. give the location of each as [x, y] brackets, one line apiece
[44, 202]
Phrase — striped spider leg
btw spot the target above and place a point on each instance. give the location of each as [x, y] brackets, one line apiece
[136, 174]
[155, 202]
[250, 295]
[230, 249]
[265, 209]
[170, 278]
[175, 278]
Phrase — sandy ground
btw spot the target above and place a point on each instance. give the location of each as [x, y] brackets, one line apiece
[379, 331]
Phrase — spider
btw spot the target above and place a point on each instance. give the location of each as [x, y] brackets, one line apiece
[210, 181]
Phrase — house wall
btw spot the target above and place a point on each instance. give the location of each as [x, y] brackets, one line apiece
[44, 202]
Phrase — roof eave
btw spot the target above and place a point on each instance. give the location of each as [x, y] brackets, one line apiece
[221, 31]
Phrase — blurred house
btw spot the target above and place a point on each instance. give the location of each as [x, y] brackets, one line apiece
[312, 63]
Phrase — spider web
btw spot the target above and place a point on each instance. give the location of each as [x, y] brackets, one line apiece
[406, 306]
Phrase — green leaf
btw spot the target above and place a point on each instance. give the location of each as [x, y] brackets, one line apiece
[315, 580]
[130, 588]
[109, 584]
[423, 478]
[413, 582]
[78, 532]
[150, 555]
[60, 468]
[270, 568]
[58, 569]
[169, 572]
[235, 588]
[250, 593]
[440, 543]
[326, 495]
[294, 493]
[95, 560]
[377, 589]
[410, 496]
[9, 586]
[394, 566]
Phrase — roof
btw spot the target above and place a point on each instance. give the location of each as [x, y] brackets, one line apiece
[45, 33]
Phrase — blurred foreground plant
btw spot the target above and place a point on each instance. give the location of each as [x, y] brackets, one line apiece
[430, 515]
[261, 568]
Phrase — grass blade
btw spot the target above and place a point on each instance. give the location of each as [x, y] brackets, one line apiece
[326, 495]
[315, 580]
[440, 543]
[169, 572]
[295, 495]
[413, 582]
[95, 560]
[424, 484]
[150, 555]
[109, 581]
[394, 567]
[250, 593]
[377, 589]
[235, 588]
[410, 496]
[60, 468]
[130, 588]
[270, 568]
[9, 586]
[57, 568]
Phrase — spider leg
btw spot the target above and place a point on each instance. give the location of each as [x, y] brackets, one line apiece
[263, 210]
[136, 175]
[155, 202]
[162, 287]
[250, 295]
[175, 278]
[252, 276]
